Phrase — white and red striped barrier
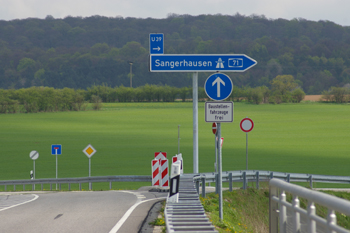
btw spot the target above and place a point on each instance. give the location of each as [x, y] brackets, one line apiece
[164, 172]
[155, 172]
[160, 155]
[160, 170]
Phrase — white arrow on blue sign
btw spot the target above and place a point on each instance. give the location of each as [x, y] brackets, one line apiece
[156, 43]
[218, 86]
[200, 62]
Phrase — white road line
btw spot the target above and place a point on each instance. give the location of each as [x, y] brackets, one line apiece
[35, 197]
[130, 210]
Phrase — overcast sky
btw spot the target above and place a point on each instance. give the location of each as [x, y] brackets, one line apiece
[332, 10]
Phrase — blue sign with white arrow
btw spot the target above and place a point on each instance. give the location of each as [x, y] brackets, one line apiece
[56, 149]
[200, 62]
[156, 43]
[218, 86]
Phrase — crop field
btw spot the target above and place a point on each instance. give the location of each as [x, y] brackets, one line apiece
[301, 138]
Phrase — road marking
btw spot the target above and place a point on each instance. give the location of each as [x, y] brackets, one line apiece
[130, 210]
[9, 207]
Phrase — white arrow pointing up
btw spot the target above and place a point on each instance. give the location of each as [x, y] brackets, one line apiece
[218, 81]
[158, 48]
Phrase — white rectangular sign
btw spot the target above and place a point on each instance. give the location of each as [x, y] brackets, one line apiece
[219, 111]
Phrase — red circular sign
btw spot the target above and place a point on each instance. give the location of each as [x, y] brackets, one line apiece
[214, 128]
[246, 125]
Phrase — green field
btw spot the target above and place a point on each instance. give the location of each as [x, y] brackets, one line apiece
[302, 138]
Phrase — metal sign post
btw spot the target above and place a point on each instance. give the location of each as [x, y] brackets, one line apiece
[221, 216]
[246, 125]
[218, 87]
[56, 150]
[178, 139]
[214, 128]
[195, 122]
[34, 155]
[89, 151]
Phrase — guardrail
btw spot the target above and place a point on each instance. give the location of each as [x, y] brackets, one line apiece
[79, 180]
[257, 176]
[228, 176]
[290, 217]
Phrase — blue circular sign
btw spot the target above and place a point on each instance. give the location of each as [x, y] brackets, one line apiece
[218, 86]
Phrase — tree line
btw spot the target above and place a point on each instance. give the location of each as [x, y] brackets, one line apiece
[76, 52]
[284, 89]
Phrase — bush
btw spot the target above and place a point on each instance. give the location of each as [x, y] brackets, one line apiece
[97, 102]
[256, 95]
[298, 95]
[339, 94]
[326, 95]
[184, 93]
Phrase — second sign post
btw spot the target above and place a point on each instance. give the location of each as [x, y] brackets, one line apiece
[218, 87]
[89, 151]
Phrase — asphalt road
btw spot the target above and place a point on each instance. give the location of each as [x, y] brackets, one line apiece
[99, 211]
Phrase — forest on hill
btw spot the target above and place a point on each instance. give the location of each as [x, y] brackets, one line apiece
[76, 52]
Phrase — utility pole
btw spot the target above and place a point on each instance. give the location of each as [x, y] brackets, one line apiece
[130, 62]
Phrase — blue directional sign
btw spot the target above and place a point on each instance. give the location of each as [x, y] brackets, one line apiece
[218, 86]
[200, 62]
[56, 149]
[156, 43]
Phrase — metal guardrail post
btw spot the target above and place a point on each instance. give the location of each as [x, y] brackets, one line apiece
[244, 180]
[273, 208]
[24, 187]
[216, 183]
[271, 175]
[197, 186]
[79, 186]
[50, 187]
[311, 211]
[310, 181]
[110, 185]
[203, 186]
[296, 215]
[14, 187]
[230, 181]
[59, 186]
[257, 180]
[288, 178]
[283, 214]
[68, 186]
[5, 187]
[331, 219]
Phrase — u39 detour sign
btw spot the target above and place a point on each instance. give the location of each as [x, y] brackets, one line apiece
[200, 62]
[219, 111]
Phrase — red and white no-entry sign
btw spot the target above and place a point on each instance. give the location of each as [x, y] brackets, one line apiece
[214, 127]
[247, 125]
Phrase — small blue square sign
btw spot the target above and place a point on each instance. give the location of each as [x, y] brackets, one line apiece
[156, 43]
[56, 149]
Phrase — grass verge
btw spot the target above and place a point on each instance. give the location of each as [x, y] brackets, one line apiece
[247, 211]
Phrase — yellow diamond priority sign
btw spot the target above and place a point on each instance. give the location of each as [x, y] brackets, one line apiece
[89, 151]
